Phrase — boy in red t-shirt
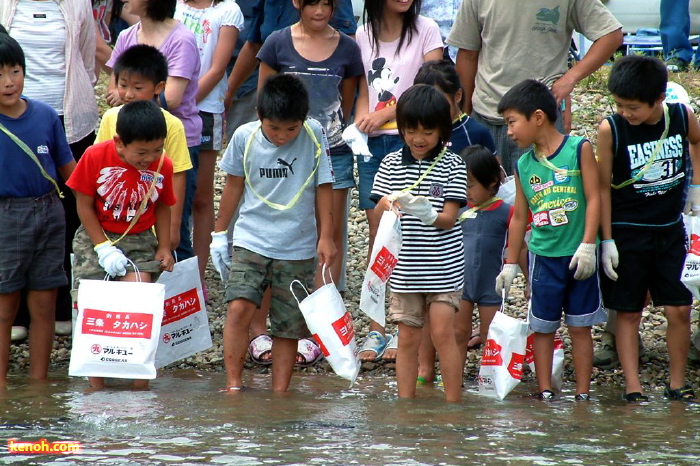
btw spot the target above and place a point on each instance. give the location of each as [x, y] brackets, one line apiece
[123, 188]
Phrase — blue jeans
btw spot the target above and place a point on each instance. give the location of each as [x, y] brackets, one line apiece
[379, 147]
[184, 249]
[675, 29]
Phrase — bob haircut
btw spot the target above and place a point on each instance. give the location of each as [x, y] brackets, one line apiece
[423, 105]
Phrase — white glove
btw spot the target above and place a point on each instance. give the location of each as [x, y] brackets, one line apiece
[220, 256]
[609, 258]
[583, 261]
[111, 259]
[504, 280]
[692, 203]
[357, 140]
[418, 206]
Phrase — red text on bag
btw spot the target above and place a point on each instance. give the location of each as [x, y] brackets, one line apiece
[492, 354]
[344, 328]
[181, 305]
[515, 367]
[384, 264]
[117, 324]
[529, 349]
[694, 244]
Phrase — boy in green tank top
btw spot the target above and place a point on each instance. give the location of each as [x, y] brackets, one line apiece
[556, 180]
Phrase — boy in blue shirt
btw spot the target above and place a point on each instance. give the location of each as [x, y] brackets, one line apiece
[643, 158]
[33, 152]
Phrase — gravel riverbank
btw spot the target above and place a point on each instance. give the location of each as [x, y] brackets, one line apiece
[590, 105]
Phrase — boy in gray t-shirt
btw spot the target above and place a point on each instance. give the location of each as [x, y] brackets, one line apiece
[278, 171]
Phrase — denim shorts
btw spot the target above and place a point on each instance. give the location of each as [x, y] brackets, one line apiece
[252, 273]
[379, 146]
[32, 243]
[342, 160]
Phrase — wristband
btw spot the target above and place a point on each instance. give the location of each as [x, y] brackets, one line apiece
[97, 246]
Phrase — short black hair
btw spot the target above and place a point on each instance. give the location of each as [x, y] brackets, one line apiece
[160, 10]
[305, 3]
[527, 97]
[11, 53]
[441, 74]
[483, 166]
[638, 77]
[424, 105]
[283, 97]
[144, 60]
[141, 120]
[3, 30]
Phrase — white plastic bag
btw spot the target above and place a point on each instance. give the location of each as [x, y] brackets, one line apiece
[116, 333]
[385, 255]
[331, 326]
[690, 276]
[507, 190]
[557, 359]
[185, 328]
[503, 356]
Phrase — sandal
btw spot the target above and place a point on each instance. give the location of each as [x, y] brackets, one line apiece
[635, 397]
[392, 343]
[474, 342]
[685, 393]
[375, 342]
[309, 352]
[259, 348]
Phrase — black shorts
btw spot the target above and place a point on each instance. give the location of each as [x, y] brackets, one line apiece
[649, 260]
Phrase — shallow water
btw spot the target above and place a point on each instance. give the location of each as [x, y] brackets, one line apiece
[183, 419]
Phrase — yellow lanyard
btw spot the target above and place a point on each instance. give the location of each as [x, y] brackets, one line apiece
[563, 172]
[461, 115]
[652, 159]
[297, 196]
[471, 213]
[31, 155]
[430, 168]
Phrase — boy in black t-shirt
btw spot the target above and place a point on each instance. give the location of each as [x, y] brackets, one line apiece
[643, 151]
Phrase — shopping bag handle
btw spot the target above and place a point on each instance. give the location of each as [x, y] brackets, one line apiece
[136, 271]
[323, 274]
[291, 290]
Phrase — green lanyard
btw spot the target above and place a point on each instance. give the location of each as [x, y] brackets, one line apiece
[296, 197]
[31, 155]
[471, 213]
[430, 168]
[652, 159]
[563, 172]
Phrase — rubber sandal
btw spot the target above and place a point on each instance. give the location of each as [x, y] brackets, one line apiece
[545, 395]
[635, 397]
[259, 347]
[309, 352]
[474, 346]
[375, 342]
[230, 389]
[392, 343]
[685, 393]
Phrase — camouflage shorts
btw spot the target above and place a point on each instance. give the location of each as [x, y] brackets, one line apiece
[139, 249]
[251, 274]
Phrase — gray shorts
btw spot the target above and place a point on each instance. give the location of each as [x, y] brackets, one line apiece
[139, 248]
[251, 274]
[32, 243]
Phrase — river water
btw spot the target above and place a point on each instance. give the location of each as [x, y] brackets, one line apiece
[183, 419]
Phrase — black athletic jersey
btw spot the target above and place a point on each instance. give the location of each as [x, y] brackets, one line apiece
[657, 198]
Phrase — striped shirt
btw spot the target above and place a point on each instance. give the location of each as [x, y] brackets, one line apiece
[431, 260]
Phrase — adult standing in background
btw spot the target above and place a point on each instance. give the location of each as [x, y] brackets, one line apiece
[58, 38]
[675, 30]
[503, 42]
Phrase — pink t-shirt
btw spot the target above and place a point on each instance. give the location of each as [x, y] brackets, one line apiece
[180, 49]
[389, 73]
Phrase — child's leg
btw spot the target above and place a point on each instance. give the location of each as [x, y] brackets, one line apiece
[9, 303]
[543, 348]
[463, 328]
[442, 315]
[582, 352]
[486, 314]
[239, 315]
[407, 360]
[203, 208]
[284, 352]
[42, 309]
[426, 354]
[678, 342]
[628, 348]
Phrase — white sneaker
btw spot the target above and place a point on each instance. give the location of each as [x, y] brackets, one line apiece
[18, 333]
[64, 327]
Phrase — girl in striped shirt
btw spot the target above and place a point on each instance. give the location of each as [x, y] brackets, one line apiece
[426, 184]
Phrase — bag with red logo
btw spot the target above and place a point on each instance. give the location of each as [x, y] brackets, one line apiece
[385, 255]
[503, 356]
[557, 359]
[185, 328]
[331, 326]
[691, 268]
[116, 333]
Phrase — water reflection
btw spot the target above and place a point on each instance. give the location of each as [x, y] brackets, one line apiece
[183, 419]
